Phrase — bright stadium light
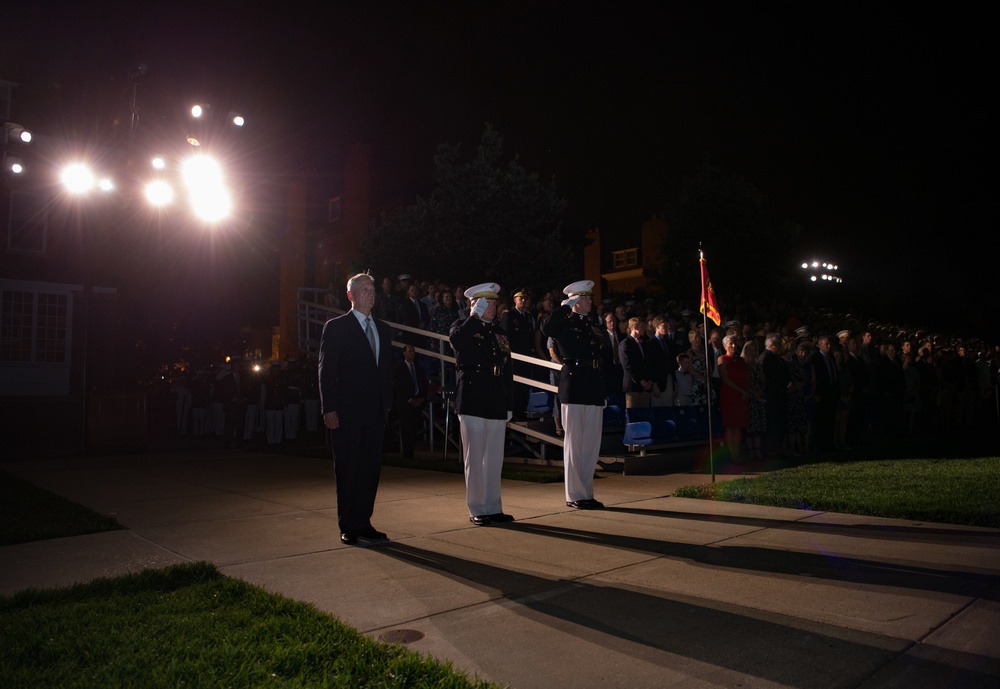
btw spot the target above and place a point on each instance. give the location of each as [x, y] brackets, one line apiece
[159, 193]
[77, 178]
[16, 133]
[203, 179]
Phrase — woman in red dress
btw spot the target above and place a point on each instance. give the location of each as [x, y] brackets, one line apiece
[733, 398]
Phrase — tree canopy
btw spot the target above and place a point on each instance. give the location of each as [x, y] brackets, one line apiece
[486, 219]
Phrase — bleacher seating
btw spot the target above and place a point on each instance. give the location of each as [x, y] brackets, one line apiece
[662, 427]
[540, 403]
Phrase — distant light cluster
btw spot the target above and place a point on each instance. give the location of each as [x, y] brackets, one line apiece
[822, 271]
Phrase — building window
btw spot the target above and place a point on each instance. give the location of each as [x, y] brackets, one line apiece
[627, 258]
[27, 226]
[34, 327]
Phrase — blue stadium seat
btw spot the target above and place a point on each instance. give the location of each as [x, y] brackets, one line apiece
[539, 403]
[614, 416]
[638, 433]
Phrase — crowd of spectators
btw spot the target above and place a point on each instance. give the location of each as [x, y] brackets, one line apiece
[812, 379]
[878, 379]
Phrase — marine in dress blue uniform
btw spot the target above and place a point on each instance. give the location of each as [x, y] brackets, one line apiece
[484, 400]
[582, 391]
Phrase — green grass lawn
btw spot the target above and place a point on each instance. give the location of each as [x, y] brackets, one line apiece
[28, 513]
[189, 626]
[952, 491]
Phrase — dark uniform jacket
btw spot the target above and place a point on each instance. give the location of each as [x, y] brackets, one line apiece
[485, 380]
[580, 344]
[520, 328]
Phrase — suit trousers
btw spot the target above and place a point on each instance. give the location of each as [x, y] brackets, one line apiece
[584, 425]
[357, 452]
[482, 443]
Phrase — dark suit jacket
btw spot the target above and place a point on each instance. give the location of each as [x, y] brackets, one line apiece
[826, 387]
[659, 364]
[404, 383]
[412, 314]
[612, 365]
[350, 382]
[776, 379]
[633, 364]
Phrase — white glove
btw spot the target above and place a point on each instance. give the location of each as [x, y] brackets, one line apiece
[571, 302]
[479, 308]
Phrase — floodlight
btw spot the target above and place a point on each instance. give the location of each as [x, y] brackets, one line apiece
[77, 178]
[16, 133]
[159, 193]
[13, 164]
[209, 199]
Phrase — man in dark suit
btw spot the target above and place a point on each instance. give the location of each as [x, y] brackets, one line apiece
[411, 395]
[635, 377]
[776, 380]
[826, 394]
[412, 312]
[661, 362]
[355, 384]
[612, 364]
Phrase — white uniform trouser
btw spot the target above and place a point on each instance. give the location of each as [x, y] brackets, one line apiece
[583, 425]
[482, 443]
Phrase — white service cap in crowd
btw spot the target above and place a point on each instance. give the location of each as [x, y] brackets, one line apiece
[583, 288]
[490, 290]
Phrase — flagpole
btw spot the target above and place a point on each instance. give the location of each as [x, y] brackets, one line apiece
[708, 363]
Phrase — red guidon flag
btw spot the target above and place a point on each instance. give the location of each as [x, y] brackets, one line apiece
[709, 305]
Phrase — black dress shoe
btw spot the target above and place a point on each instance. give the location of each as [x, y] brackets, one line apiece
[348, 539]
[480, 520]
[590, 504]
[500, 518]
[372, 535]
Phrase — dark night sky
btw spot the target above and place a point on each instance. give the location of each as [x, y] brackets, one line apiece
[867, 124]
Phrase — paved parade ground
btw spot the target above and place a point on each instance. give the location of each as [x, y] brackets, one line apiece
[654, 591]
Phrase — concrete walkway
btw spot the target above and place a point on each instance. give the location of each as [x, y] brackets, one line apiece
[654, 591]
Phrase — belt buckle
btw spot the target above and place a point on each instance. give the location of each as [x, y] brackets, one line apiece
[498, 370]
[596, 363]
